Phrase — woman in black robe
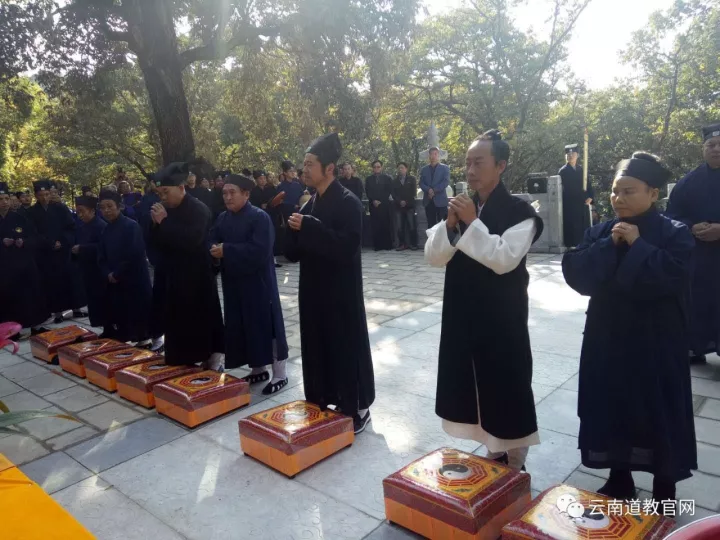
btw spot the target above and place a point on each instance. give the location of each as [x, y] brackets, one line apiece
[635, 398]
[194, 330]
[325, 237]
[22, 298]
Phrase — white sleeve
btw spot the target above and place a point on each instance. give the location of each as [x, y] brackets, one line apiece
[501, 254]
[438, 249]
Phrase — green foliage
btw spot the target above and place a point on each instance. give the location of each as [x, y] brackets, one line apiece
[10, 419]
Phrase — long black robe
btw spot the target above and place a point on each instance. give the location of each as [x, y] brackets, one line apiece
[193, 319]
[696, 199]
[202, 194]
[87, 238]
[253, 313]
[354, 184]
[576, 216]
[157, 312]
[122, 253]
[635, 398]
[55, 223]
[337, 365]
[22, 298]
[260, 196]
[379, 188]
[485, 357]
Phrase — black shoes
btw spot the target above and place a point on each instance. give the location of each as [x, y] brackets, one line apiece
[620, 486]
[58, 319]
[359, 424]
[698, 359]
[505, 460]
[79, 314]
[272, 388]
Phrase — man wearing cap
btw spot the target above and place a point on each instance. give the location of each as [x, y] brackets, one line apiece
[242, 244]
[434, 180]
[576, 216]
[25, 198]
[85, 252]
[696, 202]
[55, 227]
[326, 237]
[179, 232]
[15, 201]
[21, 295]
[379, 191]
[121, 257]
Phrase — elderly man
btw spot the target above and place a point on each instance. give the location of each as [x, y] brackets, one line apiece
[695, 201]
[484, 388]
[434, 180]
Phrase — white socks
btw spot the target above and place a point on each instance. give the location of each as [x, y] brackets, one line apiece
[157, 343]
[278, 371]
[516, 456]
[216, 362]
[362, 412]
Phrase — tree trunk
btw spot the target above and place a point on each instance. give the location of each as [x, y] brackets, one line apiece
[152, 26]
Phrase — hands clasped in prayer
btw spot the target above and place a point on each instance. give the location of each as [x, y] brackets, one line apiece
[625, 232]
[158, 213]
[707, 232]
[461, 208]
[216, 251]
[295, 222]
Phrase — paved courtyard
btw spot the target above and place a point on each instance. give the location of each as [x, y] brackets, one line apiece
[127, 473]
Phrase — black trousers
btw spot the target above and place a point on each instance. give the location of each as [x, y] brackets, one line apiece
[435, 214]
[407, 226]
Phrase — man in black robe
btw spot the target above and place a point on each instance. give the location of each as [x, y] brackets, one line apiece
[22, 298]
[25, 198]
[200, 193]
[85, 253]
[484, 388]
[379, 192]
[326, 237]
[404, 191]
[194, 329]
[55, 228]
[576, 216]
[350, 181]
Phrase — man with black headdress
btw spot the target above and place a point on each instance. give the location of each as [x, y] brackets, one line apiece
[576, 216]
[179, 232]
[55, 227]
[326, 237]
[484, 388]
[695, 201]
[242, 244]
[25, 198]
[85, 252]
[379, 192]
[22, 297]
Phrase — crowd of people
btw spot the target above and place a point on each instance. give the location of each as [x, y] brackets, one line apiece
[651, 278]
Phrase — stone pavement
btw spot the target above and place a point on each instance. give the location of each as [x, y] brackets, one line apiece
[127, 473]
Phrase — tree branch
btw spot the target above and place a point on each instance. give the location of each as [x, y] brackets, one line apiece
[219, 50]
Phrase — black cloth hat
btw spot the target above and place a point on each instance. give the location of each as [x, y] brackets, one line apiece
[287, 165]
[243, 182]
[85, 189]
[173, 175]
[571, 148]
[258, 173]
[711, 131]
[222, 174]
[246, 172]
[108, 195]
[42, 185]
[87, 202]
[21, 193]
[327, 148]
[645, 167]
[4, 189]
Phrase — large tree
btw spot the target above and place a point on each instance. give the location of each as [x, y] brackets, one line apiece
[166, 37]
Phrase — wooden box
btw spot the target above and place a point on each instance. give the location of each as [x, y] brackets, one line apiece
[294, 436]
[100, 369]
[566, 513]
[449, 494]
[44, 346]
[135, 383]
[197, 398]
[71, 356]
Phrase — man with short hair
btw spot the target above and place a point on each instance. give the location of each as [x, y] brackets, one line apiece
[15, 201]
[326, 238]
[179, 232]
[576, 215]
[379, 192]
[200, 193]
[484, 390]
[434, 180]
[695, 201]
[242, 244]
[350, 181]
[404, 190]
[25, 198]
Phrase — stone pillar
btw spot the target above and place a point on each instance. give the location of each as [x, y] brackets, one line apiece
[549, 208]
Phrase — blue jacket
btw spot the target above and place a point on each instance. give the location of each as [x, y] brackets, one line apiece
[438, 182]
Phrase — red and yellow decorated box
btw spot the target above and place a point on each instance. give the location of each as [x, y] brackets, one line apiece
[135, 383]
[567, 513]
[71, 356]
[453, 495]
[197, 398]
[45, 346]
[100, 369]
[294, 436]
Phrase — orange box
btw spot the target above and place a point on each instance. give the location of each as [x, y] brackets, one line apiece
[292, 437]
[44, 346]
[567, 513]
[135, 383]
[100, 369]
[71, 356]
[197, 398]
[453, 495]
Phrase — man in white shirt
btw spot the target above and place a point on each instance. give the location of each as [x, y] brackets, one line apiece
[484, 390]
